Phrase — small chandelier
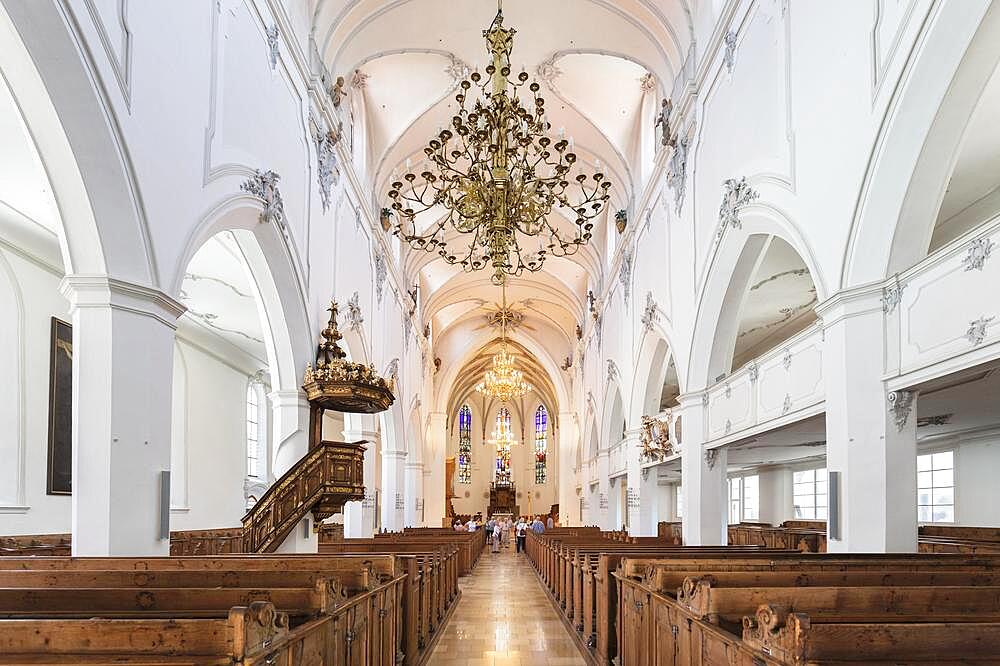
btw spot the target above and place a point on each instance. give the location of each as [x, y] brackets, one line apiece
[498, 175]
[503, 381]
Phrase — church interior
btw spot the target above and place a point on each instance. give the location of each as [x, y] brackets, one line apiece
[499, 333]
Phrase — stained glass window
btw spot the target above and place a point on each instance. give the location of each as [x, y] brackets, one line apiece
[465, 445]
[541, 444]
[504, 437]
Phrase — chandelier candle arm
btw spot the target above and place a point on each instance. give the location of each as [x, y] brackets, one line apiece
[498, 175]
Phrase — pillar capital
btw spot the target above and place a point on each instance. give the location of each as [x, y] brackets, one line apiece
[102, 291]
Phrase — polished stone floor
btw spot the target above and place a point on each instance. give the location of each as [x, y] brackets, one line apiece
[504, 618]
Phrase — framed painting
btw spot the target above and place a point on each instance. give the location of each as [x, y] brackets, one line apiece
[60, 466]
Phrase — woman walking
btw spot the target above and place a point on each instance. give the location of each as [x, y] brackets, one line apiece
[495, 539]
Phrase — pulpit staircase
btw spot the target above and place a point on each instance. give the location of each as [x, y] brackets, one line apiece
[325, 479]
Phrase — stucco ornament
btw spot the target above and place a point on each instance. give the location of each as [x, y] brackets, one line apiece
[737, 194]
[729, 56]
[327, 169]
[264, 186]
[976, 332]
[548, 71]
[677, 171]
[711, 458]
[892, 295]
[650, 314]
[272, 45]
[381, 271]
[901, 404]
[625, 274]
[977, 254]
[354, 317]
[753, 371]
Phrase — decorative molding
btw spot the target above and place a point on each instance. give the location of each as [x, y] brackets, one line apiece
[786, 406]
[704, 399]
[728, 391]
[977, 330]
[392, 370]
[647, 82]
[729, 426]
[354, 317]
[936, 420]
[625, 274]
[548, 71]
[737, 195]
[677, 171]
[711, 458]
[381, 271]
[892, 295]
[786, 360]
[753, 371]
[612, 372]
[456, 69]
[272, 44]
[901, 404]
[729, 56]
[650, 315]
[407, 334]
[327, 169]
[978, 252]
[264, 186]
[359, 79]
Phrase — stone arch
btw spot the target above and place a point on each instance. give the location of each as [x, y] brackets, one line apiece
[915, 150]
[727, 282]
[654, 361]
[72, 123]
[613, 415]
[289, 338]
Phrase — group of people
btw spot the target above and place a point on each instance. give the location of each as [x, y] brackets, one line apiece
[499, 530]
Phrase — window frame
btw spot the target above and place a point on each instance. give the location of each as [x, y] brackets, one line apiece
[541, 437]
[464, 473]
[741, 498]
[258, 461]
[815, 495]
[954, 486]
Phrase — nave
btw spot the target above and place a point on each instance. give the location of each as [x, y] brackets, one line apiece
[504, 619]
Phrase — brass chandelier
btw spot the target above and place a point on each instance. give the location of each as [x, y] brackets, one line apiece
[503, 381]
[498, 175]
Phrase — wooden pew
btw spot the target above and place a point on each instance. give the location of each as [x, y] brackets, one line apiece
[702, 618]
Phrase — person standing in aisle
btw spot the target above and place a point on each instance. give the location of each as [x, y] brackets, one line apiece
[520, 533]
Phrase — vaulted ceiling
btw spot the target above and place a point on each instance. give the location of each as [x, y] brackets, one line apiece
[602, 64]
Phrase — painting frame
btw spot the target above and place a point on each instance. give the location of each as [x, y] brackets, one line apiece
[58, 477]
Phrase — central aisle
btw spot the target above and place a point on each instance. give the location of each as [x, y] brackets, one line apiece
[504, 618]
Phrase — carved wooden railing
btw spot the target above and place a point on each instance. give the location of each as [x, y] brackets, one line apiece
[325, 479]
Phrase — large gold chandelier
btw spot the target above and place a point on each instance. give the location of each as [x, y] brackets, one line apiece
[503, 381]
[498, 174]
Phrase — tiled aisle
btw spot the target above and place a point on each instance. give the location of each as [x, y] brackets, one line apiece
[504, 618]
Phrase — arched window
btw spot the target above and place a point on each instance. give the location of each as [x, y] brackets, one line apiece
[465, 445]
[253, 431]
[504, 437]
[541, 443]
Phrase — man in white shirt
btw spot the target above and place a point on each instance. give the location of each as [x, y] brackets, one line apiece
[521, 532]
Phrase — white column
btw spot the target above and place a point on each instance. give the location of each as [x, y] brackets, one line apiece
[123, 350]
[870, 436]
[414, 495]
[393, 490]
[775, 486]
[603, 513]
[703, 475]
[641, 497]
[434, 495]
[569, 501]
[359, 517]
[289, 428]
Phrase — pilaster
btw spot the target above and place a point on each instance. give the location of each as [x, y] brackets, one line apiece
[703, 476]
[123, 349]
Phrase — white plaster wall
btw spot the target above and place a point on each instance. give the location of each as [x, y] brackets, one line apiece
[38, 287]
[977, 494]
[215, 411]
